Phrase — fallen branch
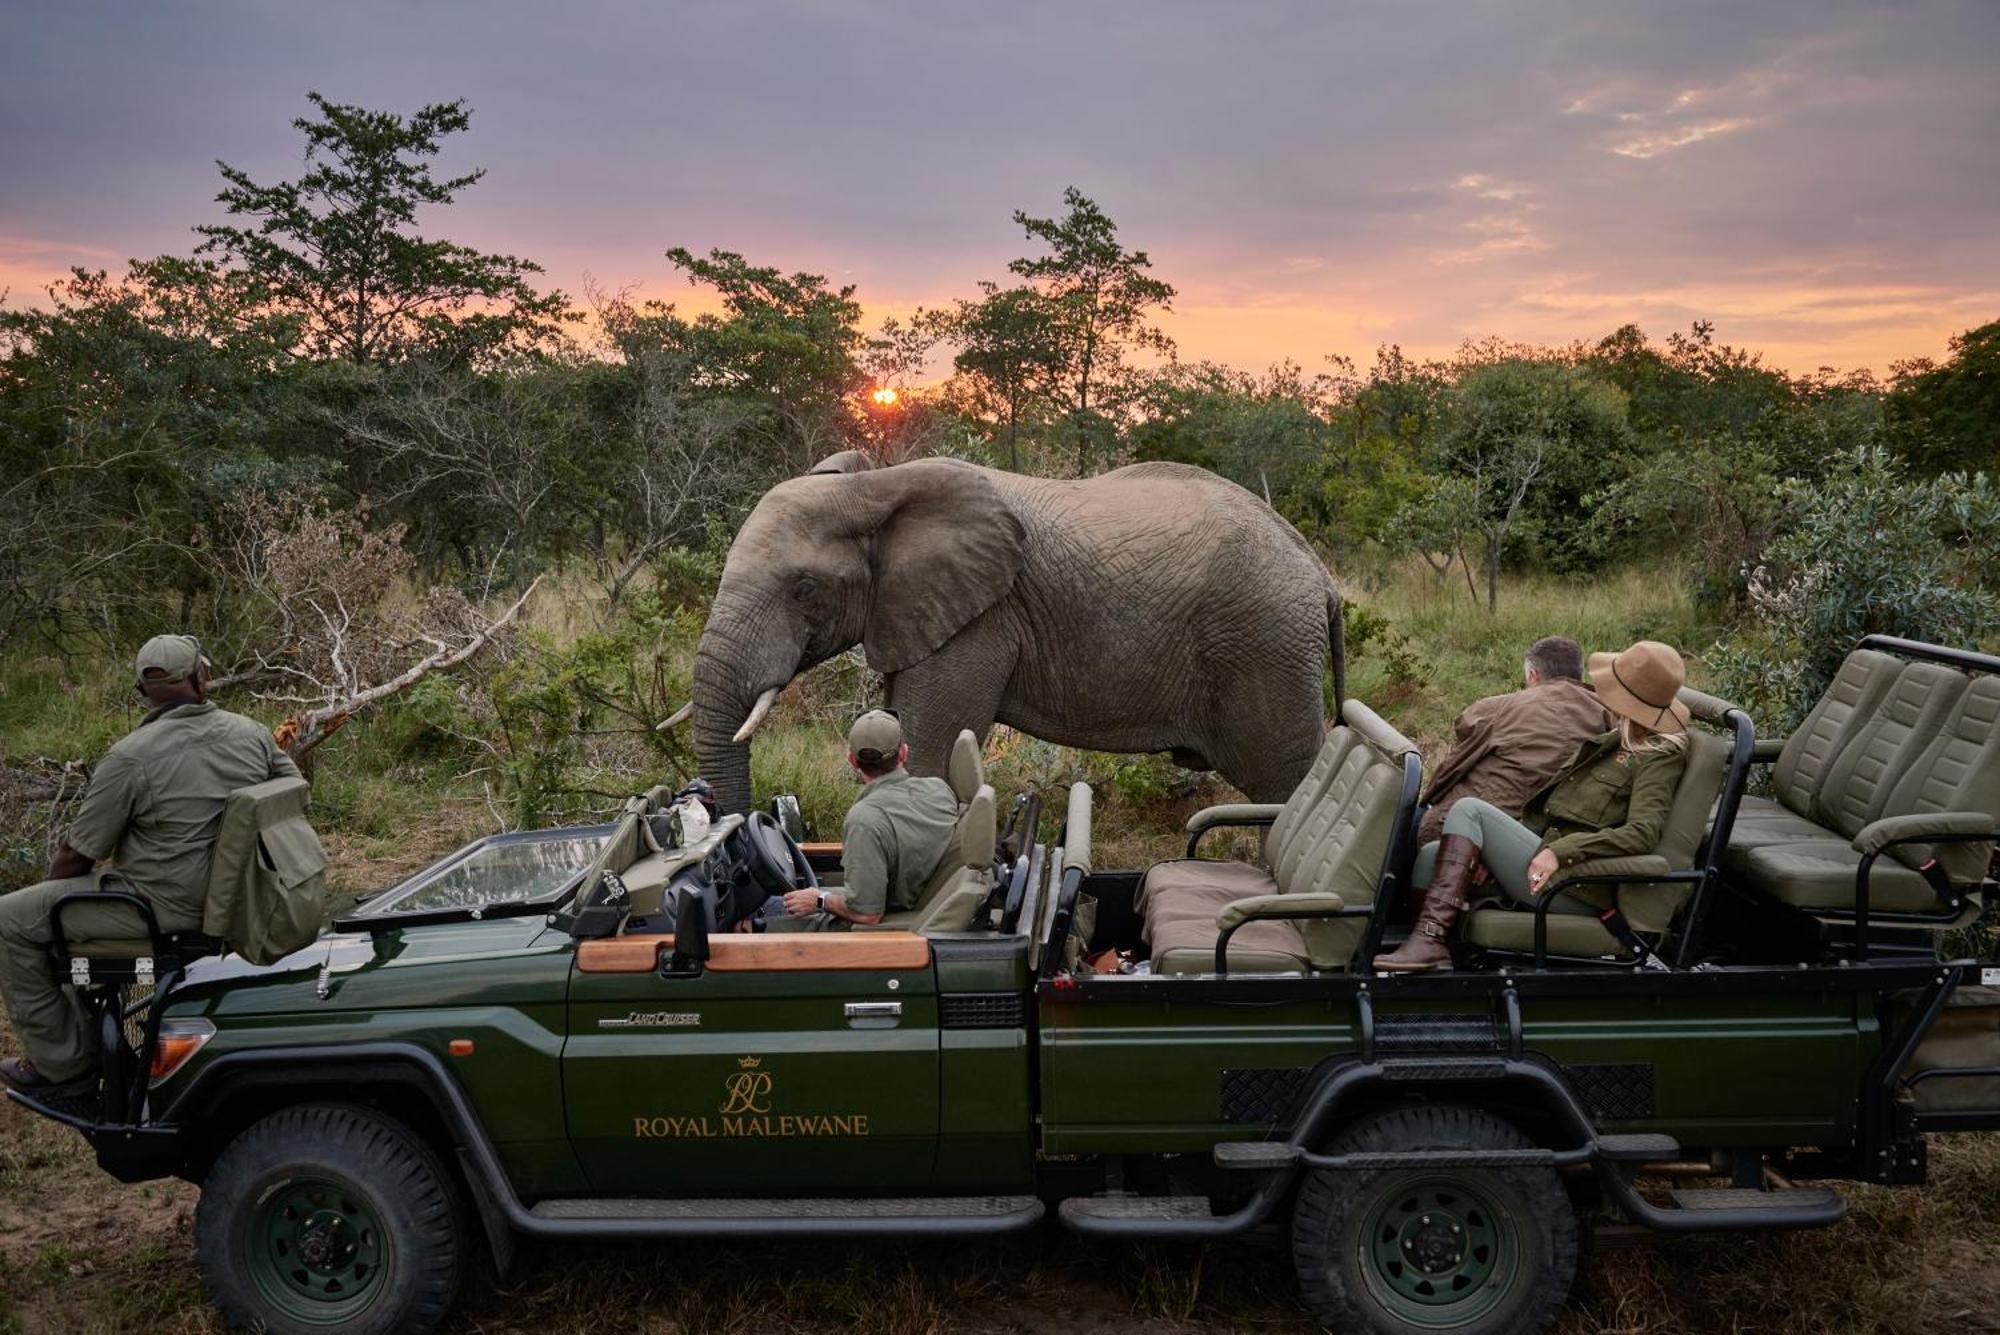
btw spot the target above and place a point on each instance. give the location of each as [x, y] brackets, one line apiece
[301, 733]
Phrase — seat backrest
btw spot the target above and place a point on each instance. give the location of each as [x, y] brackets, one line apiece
[1651, 907]
[1909, 719]
[267, 876]
[1355, 823]
[1286, 842]
[1857, 689]
[965, 771]
[951, 898]
[1958, 771]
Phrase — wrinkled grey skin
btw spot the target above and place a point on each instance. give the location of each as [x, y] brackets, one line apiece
[1155, 608]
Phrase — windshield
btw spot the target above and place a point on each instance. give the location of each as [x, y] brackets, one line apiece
[528, 868]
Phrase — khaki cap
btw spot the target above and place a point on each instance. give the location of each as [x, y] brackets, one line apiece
[173, 657]
[1642, 684]
[875, 736]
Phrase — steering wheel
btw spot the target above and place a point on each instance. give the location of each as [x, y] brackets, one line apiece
[775, 861]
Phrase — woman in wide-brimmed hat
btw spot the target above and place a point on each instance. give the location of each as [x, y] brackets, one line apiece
[1611, 800]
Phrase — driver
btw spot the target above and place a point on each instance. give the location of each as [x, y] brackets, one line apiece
[897, 832]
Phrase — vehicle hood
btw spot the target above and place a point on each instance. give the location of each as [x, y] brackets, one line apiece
[509, 960]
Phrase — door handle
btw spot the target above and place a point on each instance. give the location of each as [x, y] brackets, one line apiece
[874, 1010]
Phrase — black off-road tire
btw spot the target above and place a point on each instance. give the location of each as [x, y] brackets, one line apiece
[1351, 1230]
[330, 1215]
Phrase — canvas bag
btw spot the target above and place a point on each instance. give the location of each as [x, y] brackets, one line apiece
[267, 885]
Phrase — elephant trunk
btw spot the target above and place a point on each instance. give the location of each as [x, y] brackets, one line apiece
[729, 688]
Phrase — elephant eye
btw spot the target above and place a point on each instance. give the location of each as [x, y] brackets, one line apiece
[805, 588]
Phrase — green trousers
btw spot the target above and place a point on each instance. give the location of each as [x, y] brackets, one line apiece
[47, 1016]
[1505, 845]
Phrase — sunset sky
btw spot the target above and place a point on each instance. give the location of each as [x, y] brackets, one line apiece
[1820, 179]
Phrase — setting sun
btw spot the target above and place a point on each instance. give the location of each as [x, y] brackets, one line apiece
[884, 397]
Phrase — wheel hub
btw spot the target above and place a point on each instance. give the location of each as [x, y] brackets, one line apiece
[1437, 1252]
[317, 1250]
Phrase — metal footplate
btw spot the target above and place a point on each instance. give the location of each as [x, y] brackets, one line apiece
[1639, 1148]
[744, 1216]
[1795, 1207]
[1254, 1156]
[1135, 1209]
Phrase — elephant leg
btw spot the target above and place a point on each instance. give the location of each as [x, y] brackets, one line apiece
[938, 698]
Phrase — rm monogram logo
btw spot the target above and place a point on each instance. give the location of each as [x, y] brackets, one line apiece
[747, 1092]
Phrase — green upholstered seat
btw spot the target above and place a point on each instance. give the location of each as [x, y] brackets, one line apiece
[1330, 840]
[1648, 908]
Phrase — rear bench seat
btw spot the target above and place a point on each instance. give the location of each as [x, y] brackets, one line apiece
[1329, 847]
[1918, 752]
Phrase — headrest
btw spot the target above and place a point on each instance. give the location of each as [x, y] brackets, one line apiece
[1708, 708]
[1076, 827]
[965, 771]
[1370, 727]
[979, 829]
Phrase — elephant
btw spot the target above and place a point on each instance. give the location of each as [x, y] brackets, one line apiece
[1157, 607]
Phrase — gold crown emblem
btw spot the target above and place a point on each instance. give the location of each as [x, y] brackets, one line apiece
[749, 1063]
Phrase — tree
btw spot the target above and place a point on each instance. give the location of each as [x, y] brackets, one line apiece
[1507, 426]
[1007, 349]
[1947, 416]
[1097, 300]
[337, 248]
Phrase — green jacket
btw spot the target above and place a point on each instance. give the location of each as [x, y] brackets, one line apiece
[1604, 807]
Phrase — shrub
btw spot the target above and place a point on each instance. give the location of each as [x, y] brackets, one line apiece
[1869, 551]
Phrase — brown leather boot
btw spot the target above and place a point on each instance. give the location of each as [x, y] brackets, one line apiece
[1424, 949]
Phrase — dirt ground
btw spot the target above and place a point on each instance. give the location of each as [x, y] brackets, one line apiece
[81, 1253]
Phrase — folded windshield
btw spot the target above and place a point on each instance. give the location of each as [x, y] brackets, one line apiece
[536, 867]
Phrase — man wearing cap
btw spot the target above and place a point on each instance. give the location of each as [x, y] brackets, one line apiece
[153, 807]
[897, 832]
[1508, 747]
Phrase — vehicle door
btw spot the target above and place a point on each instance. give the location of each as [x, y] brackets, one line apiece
[787, 1064]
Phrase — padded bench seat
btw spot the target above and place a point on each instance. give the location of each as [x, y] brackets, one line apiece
[1329, 846]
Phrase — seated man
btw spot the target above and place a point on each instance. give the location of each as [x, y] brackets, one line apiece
[897, 833]
[1510, 746]
[153, 807]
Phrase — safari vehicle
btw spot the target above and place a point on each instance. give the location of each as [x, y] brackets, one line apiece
[559, 1035]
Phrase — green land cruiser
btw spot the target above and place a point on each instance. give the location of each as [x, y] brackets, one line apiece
[558, 1035]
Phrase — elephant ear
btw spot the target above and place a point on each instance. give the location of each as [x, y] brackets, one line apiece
[948, 547]
[847, 461]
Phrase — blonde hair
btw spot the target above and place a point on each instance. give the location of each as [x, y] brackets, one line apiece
[1635, 737]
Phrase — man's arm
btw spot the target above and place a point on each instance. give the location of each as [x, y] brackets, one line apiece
[864, 866]
[67, 862]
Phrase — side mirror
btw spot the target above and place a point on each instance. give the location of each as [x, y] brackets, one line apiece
[690, 938]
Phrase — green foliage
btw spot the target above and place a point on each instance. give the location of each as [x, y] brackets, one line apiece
[1946, 416]
[1870, 550]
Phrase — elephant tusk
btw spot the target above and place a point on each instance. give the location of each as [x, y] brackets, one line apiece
[678, 717]
[757, 713]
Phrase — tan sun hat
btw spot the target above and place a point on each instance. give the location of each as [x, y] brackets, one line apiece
[1641, 684]
[874, 737]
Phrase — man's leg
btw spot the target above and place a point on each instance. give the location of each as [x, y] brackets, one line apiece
[46, 1018]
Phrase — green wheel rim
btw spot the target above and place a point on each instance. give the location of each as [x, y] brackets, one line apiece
[316, 1250]
[1436, 1251]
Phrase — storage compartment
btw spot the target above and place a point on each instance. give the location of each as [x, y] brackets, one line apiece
[1965, 1038]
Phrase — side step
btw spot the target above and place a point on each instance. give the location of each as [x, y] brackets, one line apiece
[1639, 1148]
[744, 1217]
[1800, 1207]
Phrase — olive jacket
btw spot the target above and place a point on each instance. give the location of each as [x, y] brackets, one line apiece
[1603, 807]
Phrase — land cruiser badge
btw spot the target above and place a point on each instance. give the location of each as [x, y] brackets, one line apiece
[746, 1110]
[654, 1020]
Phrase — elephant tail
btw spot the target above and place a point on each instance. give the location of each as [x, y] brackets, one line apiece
[1336, 639]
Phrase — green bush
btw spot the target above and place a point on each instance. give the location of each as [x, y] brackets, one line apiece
[1869, 551]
